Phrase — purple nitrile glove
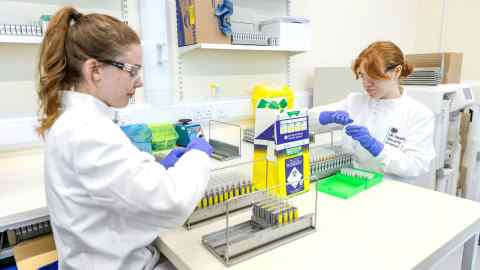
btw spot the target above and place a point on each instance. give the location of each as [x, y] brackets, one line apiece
[338, 117]
[200, 144]
[361, 134]
[172, 157]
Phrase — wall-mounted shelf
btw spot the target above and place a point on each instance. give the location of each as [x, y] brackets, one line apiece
[212, 46]
[20, 39]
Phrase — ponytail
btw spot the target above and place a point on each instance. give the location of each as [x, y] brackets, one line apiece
[52, 68]
[70, 40]
[407, 69]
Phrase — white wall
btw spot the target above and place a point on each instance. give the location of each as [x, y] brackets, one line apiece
[341, 29]
[460, 31]
[429, 29]
[18, 61]
[462, 34]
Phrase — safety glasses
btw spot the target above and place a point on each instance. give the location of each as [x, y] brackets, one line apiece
[387, 69]
[132, 69]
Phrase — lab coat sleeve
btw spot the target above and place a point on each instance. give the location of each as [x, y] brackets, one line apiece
[121, 178]
[418, 151]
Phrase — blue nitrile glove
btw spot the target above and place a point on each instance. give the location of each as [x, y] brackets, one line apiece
[200, 144]
[172, 157]
[338, 117]
[361, 134]
[223, 13]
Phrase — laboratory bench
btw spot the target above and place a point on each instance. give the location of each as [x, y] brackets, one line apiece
[390, 226]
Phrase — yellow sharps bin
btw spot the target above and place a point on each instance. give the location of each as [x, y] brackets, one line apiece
[281, 138]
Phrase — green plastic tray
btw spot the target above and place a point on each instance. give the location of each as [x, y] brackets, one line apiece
[164, 136]
[343, 186]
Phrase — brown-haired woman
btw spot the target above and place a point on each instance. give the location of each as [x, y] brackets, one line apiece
[386, 130]
[107, 200]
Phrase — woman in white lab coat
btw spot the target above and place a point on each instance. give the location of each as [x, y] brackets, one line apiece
[107, 200]
[385, 129]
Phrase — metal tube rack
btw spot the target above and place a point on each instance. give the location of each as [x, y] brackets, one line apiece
[240, 242]
[321, 168]
[201, 215]
[231, 186]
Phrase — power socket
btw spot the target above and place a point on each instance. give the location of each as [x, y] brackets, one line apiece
[203, 113]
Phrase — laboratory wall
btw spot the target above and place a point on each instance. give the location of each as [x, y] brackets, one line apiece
[460, 31]
[18, 61]
[341, 29]
[235, 72]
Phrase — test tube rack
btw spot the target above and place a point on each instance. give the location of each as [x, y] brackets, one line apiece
[273, 222]
[323, 166]
[213, 204]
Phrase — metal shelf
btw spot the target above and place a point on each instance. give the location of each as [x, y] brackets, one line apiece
[20, 39]
[228, 47]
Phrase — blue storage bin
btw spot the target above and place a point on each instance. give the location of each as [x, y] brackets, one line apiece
[140, 135]
[9, 268]
[52, 266]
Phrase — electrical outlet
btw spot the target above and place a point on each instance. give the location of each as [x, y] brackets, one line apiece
[208, 114]
[221, 113]
[202, 113]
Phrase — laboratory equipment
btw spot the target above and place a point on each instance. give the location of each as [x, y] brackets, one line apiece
[455, 170]
[140, 135]
[249, 38]
[17, 228]
[275, 98]
[231, 183]
[274, 221]
[282, 138]
[164, 136]
[22, 233]
[434, 68]
[328, 160]
[423, 76]
[34, 29]
[186, 129]
[348, 182]
[225, 138]
[292, 32]
[248, 134]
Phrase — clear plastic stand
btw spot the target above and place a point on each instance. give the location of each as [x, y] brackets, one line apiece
[228, 145]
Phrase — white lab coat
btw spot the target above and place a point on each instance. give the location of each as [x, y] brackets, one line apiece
[403, 125]
[107, 200]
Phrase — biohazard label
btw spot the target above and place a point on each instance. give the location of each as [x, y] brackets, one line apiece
[294, 175]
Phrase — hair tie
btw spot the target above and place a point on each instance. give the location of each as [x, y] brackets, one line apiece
[76, 16]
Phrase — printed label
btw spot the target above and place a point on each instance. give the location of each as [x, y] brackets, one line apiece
[294, 175]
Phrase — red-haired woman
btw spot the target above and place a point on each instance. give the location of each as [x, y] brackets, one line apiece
[385, 129]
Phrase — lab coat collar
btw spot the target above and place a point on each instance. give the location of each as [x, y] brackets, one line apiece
[388, 102]
[73, 99]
